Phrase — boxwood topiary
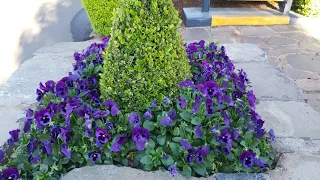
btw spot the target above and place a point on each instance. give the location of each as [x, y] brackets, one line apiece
[310, 8]
[100, 14]
[146, 58]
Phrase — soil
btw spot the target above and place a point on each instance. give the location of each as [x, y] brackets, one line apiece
[180, 4]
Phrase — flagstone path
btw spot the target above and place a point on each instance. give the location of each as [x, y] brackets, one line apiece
[282, 62]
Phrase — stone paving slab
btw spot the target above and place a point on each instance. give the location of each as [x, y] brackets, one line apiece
[270, 84]
[309, 85]
[298, 145]
[195, 34]
[290, 119]
[245, 53]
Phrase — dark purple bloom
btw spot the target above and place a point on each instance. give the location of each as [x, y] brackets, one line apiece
[109, 125]
[153, 105]
[1, 155]
[226, 150]
[61, 89]
[173, 170]
[11, 173]
[195, 107]
[102, 136]
[200, 154]
[172, 114]
[54, 133]
[140, 136]
[27, 125]
[64, 135]
[225, 137]
[34, 160]
[197, 130]
[48, 87]
[118, 142]
[164, 156]
[32, 146]
[40, 94]
[167, 101]
[228, 100]
[134, 119]
[209, 88]
[14, 136]
[186, 145]
[112, 107]
[82, 86]
[260, 163]
[271, 135]
[260, 123]
[66, 151]
[166, 121]
[209, 106]
[182, 103]
[43, 118]
[92, 81]
[94, 156]
[235, 133]
[46, 147]
[77, 56]
[247, 158]
[251, 127]
[52, 108]
[188, 83]
[259, 133]
[148, 114]
[190, 156]
[215, 129]
[212, 46]
[226, 119]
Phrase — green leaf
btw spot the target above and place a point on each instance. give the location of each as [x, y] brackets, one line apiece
[200, 169]
[44, 137]
[146, 159]
[151, 144]
[149, 125]
[167, 162]
[187, 171]
[177, 139]
[175, 148]
[185, 115]
[230, 156]
[64, 161]
[161, 139]
[44, 167]
[243, 143]
[125, 162]
[77, 158]
[214, 142]
[176, 131]
[48, 161]
[196, 121]
[83, 93]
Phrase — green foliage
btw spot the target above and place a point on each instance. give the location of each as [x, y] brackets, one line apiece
[310, 8]
[145, 59]
[100, 14]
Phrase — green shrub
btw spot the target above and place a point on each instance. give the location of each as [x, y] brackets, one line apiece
[146, 58]
[100, 14]
[310, 8]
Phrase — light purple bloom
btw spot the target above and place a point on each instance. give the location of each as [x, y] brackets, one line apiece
[66, 151]
[102, 136]
[172, 114]
[235, 133]
[118, 142]
[247, 158]
[112, 107]
[46, 147]
[260, 163]
[271, 135]
[185, 144]
[195, 107]
[197, 130]
[188, 83]
[173, 170]
[182, 103]
[1, 155]
[148, 114]
[94, 156]
[43, 118]
[209, 88]
[166, 121]
[140, 136]
[134, 119]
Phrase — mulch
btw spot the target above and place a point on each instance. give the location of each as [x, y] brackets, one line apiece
[180, 4]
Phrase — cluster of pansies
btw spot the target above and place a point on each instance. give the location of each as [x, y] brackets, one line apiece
[211, 127]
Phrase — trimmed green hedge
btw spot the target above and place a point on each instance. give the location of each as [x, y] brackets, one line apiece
[146, 58]
[310, 8]
[100, 14]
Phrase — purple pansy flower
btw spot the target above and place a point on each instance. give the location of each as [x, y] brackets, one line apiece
[43, 118]
[173, 170]
[52, 108]
[190, 156]
[112, 107]
[66, 151]
[195, 107]
[197, 130]
[55, 133]
[247, 158]
[64, 135]
[167, 101]
[153, 105]
[94, 156]
[32, 146]
[40, 94]
[209, 106]
[48, 87]
[165, 156]
[102, 136]
[259, 133]
[46, 147]
[61, 89]
[34, 160]
[166, 121]
[200, 154]
[1, 155]
[271, 135]
[172, 114]
[92, 81]
[140, 136]
[14, 136]
[185, 144]
[118, 142]
[209, 88]
[215, 129]
[182, 103]
[226, 119]
[148, 114]
[134, 119]
[260, 163]
[188, 83]
[225, 137]
[235, 133]
[11, 173]
[228, 100]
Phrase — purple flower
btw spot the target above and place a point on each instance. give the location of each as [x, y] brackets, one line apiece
[215, 129]
[32, 146]
[201, 154]
[259, 133]
[1, 155]
[34, 160]
[247, 158]
[235, 133]
[140, 136]
[40, 94]
[182, 103]
[109, 125]
[172, 114]
[27, 125]
[190, 157]
[148, 114]
[94, 156]
[66, 151]
[226, 119]
[226, 150]
[48, 87]
[195, 107]
[209, 88]
[134, 119]
[166, 121]
[46, 147]
[209, 106]
[54, 133]
[14, 136]
[173, 170]
[102, 136]
[228, 100]
[92, 81]
[260, 163]
[118, 142]
[11, 173]
[271, 135]
[188, 83]
[225, 137]
[61, 89]
[212, 46]
[64, 135]
[164, 156]
[153, 105]
[167, 101]
[43, 118]
[186, 145]
[197, 130]
[112, 107]
[52, 108]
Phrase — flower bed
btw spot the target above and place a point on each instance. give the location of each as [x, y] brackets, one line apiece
[212, 127]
